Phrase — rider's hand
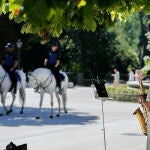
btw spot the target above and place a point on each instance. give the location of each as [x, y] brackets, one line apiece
[11, 69]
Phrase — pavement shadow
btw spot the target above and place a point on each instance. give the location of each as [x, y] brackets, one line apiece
[28, 118]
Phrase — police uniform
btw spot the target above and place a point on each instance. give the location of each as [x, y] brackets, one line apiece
[9, 61]
[52, 58]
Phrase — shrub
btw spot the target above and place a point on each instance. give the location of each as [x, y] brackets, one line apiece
[123, 93]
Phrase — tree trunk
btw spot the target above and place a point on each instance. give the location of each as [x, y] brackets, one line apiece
[143, 40]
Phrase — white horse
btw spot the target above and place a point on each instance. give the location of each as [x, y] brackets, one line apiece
[43, 80]
[5, 85]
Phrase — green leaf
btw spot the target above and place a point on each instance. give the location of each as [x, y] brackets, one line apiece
[2, 2]
[30, 28]
[5, 8]
[71, 13]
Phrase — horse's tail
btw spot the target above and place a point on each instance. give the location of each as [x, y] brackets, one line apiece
[22, 95]
[65, 83]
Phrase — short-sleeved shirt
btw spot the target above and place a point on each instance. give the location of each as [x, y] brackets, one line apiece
[53, 57]
[131, 76]
[9, 59]
[117, 76]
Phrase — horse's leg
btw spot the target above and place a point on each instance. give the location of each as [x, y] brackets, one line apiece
[41, 101]
[3, 97]
[52, 104]
[58, 99]
[13, 100]
[22, 98]
[64, 97]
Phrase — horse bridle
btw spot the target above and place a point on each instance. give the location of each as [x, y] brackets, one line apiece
[42, 85]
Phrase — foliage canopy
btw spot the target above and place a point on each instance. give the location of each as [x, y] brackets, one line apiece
[40, 16]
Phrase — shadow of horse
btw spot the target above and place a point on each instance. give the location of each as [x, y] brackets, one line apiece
[28, 118]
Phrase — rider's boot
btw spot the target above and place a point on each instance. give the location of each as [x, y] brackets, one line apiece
[15, 88]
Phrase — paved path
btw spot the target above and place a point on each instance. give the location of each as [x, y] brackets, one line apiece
[80, 129]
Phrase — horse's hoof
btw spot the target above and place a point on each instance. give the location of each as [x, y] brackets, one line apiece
[37, 117]
[51, 117]
[10, 111]
[58, 115]
[1, 115]
[21, 112]
[66, 111]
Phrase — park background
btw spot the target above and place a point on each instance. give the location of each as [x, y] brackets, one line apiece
[86, 54]
[94, 38]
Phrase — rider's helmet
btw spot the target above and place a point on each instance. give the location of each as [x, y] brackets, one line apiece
[55, 43]
[9, 45]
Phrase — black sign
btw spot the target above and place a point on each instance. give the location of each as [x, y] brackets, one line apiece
[100, 87]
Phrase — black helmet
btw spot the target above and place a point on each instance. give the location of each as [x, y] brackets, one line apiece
[55, 43]
[9, 45]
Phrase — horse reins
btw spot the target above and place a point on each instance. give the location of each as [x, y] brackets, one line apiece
[42, 85]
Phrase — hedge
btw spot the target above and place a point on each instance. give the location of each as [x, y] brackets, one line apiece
[123, 93]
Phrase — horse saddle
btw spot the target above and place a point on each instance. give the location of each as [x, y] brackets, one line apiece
[62, 77]
[18, 78]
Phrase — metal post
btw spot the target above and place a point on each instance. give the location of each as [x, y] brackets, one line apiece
[103, 99]
[101, 93]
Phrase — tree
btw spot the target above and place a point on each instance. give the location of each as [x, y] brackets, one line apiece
[9, 32]
[143, 38]
[119, 47]
[40, 16]
[125, 43]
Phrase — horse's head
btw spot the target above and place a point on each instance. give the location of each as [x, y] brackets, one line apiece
[33, 81]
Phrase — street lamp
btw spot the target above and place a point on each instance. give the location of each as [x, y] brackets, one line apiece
[19, 44]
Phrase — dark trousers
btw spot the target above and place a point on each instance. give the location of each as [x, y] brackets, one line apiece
[59, 77]
[55, 71]
[12, 75]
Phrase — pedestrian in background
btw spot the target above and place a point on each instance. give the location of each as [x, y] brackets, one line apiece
[116, 76]
[131, 75]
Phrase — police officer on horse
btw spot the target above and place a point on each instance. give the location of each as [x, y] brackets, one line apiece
[52, 62]
[9, 63]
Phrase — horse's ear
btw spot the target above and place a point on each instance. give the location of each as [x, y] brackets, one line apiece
[29, 75]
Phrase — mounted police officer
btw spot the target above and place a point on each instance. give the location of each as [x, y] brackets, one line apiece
[9, 63]
[52, 62]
